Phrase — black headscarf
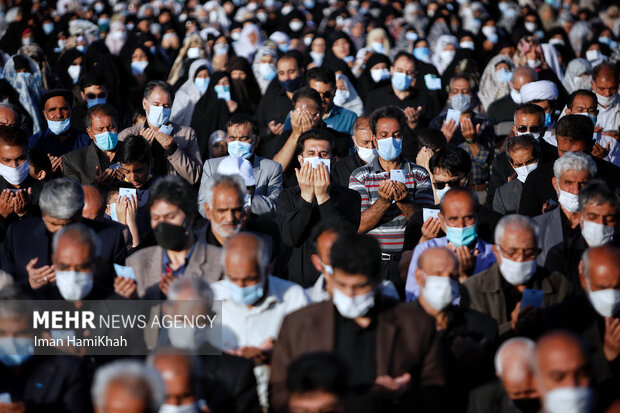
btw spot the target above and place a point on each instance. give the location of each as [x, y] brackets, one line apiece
[247, 90]
[365, 84]
[334, 63]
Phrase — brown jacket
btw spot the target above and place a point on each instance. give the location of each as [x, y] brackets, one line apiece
[406, 342]
[484, 292]
[185, 161]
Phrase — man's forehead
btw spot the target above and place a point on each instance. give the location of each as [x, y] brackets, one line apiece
[306, 104]
[56, 101]
[316, 144]
[583, 100]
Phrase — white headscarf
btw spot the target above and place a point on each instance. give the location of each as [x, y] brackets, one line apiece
[440, 63]
[354, 102]
[264, 50]
[29, 90]
[244, 47]
[491, 88]
[187, 95]
[575, 69]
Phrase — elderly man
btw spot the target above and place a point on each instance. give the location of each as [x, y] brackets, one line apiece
[242, 142]
[9, 116]
[571, 173]
[66, 389]
[365, 152]
[254, 303]
[502, 110]
[458, 219]
[98, 163]
[523, 155]
[175, 148]
[314, 200]
[598, 208]
[595, 315]
[27, 251]
[468, 337]
[499, 290]
[562, 374]
[358, 325]
[172, 206]
[605, 78]
[59, 138]
[391, 188]
[543, 93]
[515, 390]
[129, 386]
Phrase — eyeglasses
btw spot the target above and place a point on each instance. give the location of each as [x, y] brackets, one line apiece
[514, 254]
[455, 183]
[328, 94]
[531, 129]
[97, 96]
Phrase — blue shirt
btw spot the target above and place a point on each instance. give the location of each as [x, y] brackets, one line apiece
[484, 260]
[181, 270]
[48, 143]
[339, 119]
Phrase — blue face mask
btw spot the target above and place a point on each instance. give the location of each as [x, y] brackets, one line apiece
[138, 68]
[245, 295]
[240, 149]
[15, 351]
[592, 118]
[113, 214]
[158, 115]
[93, 102]
[460, 102]
[461, 236]
[202, 84]
[283, 47]
[389, 148]
[422, 53]
[401, 81]
[106, 141]
[48, 28]
[291, 85]
[223, 92]
[58, 127]
[547, 119]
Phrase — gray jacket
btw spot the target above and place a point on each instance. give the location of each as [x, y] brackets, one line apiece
[551, 233]
[507, 197]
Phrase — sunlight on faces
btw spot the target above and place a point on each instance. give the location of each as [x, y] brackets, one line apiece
[387, 128]
[568, 145]
[584, 104]
[341, 48]
[604, 271]
[136, 173]
[518, 244]
[241, 264]
[363, 138]
[227, 214]
[522, 157]
[7, 117]
[126, 395]
[72, 255]
[162, 211]
[176, 372]
[528, 122]
[351, 284]
[604, 214]
[315, 402]
[571, 181]
[101, 123]
[561, 363]
[287, 69]
[12, 156]
[439, 263]
[404, 65]
[57, 108]
[458, 211]
[326, 90]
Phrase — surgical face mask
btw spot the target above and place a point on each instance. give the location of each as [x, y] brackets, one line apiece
[489, 30]
[296, 26]
[267, 71]
[74, 72]
[317, 58]
[106, 141]
[240, 149]
[202, 83]
[524, 171]
[548, 119]
[74, 285]
[262, 17]
[187, 337]
[365, 154]
[460, 102]
[58, 127]
[517, 273]
[223, 92]
[48, 28]
[184, 408]
[158, 115]
[309, 4]
[447, 55]
[583, 82]
[596, 234]
[531, 26]
[220, 49]
[94, 102]
[411, 36]
[353, 307]
[401, 81]
[607, 40]
[193, 52]
[461, 236]
[389, 148]
[245, 295]
[27, 41]
[235, 36]
[378, 47]
[138, 67]
[534, 63]
[605, 100]
[422, 53]
[516, 96]
[568, 400]
[439, 292]
[113, 214]
[441, 192]
[535, 135]
[14, 351]
[15, 176]
[283, 47]
[341, 97]
[467, 45]
[568, 201]
[171, 237]
[379, 74]
[606, 302]
[503, 75]
[286, 10]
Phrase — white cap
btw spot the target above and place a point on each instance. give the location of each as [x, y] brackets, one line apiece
[234, 165]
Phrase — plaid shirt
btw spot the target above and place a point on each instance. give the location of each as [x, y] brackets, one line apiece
[480, 165]
[390, 230]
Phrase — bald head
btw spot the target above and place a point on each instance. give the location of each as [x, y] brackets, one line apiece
[94, 205]
[438, 261]
[175, 367]
[560, 361]
[245, 259]
[523, 75]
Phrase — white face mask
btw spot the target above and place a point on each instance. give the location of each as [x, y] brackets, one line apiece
[533, 63]
[74, 72]
[187, 337]
[353, 307]
[583, 82]
[516, 96]
[605, 302]
[74, 285]
[379, 74]
[184, 408]
[605, 100]
[441, 192]
[365, 154]
[296, 26]
[535, 135]
[15, 176]
[341, 97]
[193, 52]
[568, 201]
[439, 292]
[531, 26]
[517, 273]
[596, 234]
[568, 400]
[524, 171]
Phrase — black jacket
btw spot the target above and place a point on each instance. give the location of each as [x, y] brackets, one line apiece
[274, 105]
[33, 208]
[297, 218]
[80, 165]
[341, 170]
[490, 397]
[501, 110]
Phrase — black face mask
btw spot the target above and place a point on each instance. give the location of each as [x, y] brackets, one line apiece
[526, 405]
[171, 237]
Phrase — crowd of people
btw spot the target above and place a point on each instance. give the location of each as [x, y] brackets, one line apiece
[394, 206]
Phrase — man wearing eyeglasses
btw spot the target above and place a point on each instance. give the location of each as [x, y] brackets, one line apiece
[242, 142]
[504, 290]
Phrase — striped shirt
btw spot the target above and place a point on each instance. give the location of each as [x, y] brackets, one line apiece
[390, 230]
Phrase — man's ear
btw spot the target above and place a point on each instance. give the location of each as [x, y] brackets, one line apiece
[316, 262]
[208, 211]
[41, 175]
[300, 159]
[144, 105]
[582, 277]
[554, 182]
[420, 278]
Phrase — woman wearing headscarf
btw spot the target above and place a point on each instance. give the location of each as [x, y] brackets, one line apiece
[36, 53]
[578, 75]
[264, 66]
[377, 41]
[116, 38]
[495, 81]
[249, 42]
[444, 52]
[25, 77]
[340, 54]
[190, 92]
[214, 109]
[68, 68]
[137, 73]
[244, 83]
[293, 24]
[221, 53]
[375, 75]
[8, 93]
[346, 96]
[193, 48]
[315, 54]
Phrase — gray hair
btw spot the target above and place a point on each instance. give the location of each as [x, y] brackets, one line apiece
[154, 84]
[574, 161]
[263, 252]
[198, 286]
[62, 198]
[516, 220]
[124, 371]
[9, 106]
[524, 347]
[80, 233]
[599, 193]
[205, 193]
